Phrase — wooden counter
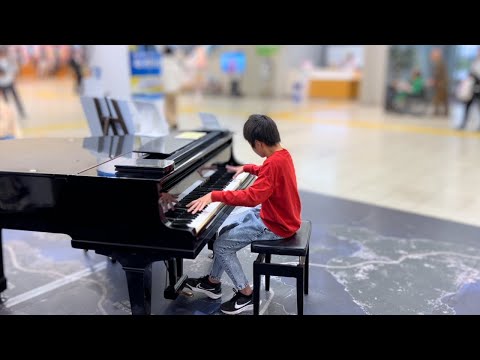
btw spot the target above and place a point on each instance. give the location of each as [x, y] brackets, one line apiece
[333, 84]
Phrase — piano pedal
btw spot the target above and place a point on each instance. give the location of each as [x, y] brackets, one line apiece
[210, 256]
[186, 293]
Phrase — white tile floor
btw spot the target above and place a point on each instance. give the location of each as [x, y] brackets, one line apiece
[341, 149]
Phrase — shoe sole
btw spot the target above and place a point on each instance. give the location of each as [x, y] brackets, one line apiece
[206, 292]
[238, 311]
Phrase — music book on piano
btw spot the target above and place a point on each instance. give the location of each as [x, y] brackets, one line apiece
[191, 135]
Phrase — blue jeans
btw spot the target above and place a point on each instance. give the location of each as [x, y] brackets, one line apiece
[238, 233]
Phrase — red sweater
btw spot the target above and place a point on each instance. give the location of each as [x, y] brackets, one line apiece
[276, 189]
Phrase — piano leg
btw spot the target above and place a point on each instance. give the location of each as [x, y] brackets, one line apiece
[3, 280]
[139, 282]
[138, 270]
[179, 267]
[176, 279]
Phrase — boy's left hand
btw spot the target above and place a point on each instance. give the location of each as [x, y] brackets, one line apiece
[199, 204]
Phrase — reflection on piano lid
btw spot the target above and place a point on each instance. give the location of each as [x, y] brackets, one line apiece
[166, 145]
[113, 146]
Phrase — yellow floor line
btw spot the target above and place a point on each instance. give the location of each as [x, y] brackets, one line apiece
[54, 96]
[284, 116]
[361, 124]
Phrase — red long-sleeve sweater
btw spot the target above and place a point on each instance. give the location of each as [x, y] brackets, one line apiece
[276, 189]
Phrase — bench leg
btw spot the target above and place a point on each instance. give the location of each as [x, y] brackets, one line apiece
[268, 258]
[256, 290]
[300, 287]
[307, 265]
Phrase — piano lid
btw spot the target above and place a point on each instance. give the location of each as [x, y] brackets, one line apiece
[71, 156]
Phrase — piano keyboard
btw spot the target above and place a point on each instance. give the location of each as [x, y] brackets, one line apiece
[212, 209]
[181, 218]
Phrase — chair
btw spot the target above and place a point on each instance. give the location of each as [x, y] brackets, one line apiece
[297, 245]
[417, 104]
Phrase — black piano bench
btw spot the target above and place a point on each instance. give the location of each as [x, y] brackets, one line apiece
[297, 245]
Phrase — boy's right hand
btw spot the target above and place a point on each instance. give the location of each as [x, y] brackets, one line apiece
[236, 169]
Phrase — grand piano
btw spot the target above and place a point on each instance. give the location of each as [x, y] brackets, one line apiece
[121, 196]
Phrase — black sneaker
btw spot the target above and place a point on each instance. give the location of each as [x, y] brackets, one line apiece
[202, 285]
[238, 304]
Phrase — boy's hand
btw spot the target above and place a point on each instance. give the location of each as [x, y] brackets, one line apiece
[236, 169]
[199, 204]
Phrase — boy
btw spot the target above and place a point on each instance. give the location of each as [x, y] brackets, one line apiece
[275, 189]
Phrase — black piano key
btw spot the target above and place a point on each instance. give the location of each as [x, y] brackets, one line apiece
[182, 221]
[218, 181]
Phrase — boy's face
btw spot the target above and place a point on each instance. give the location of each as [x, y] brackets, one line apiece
[258, 148]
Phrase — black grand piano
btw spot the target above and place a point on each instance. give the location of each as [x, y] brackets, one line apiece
[121, 196]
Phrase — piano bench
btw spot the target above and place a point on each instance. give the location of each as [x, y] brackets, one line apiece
[297, 245]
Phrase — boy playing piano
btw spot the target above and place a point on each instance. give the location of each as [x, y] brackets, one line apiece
[275, 190]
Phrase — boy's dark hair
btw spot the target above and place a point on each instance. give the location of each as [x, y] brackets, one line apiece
[261, 128]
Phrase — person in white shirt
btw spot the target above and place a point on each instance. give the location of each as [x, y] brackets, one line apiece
[8, 73]
[475, 74]
[172, 77]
